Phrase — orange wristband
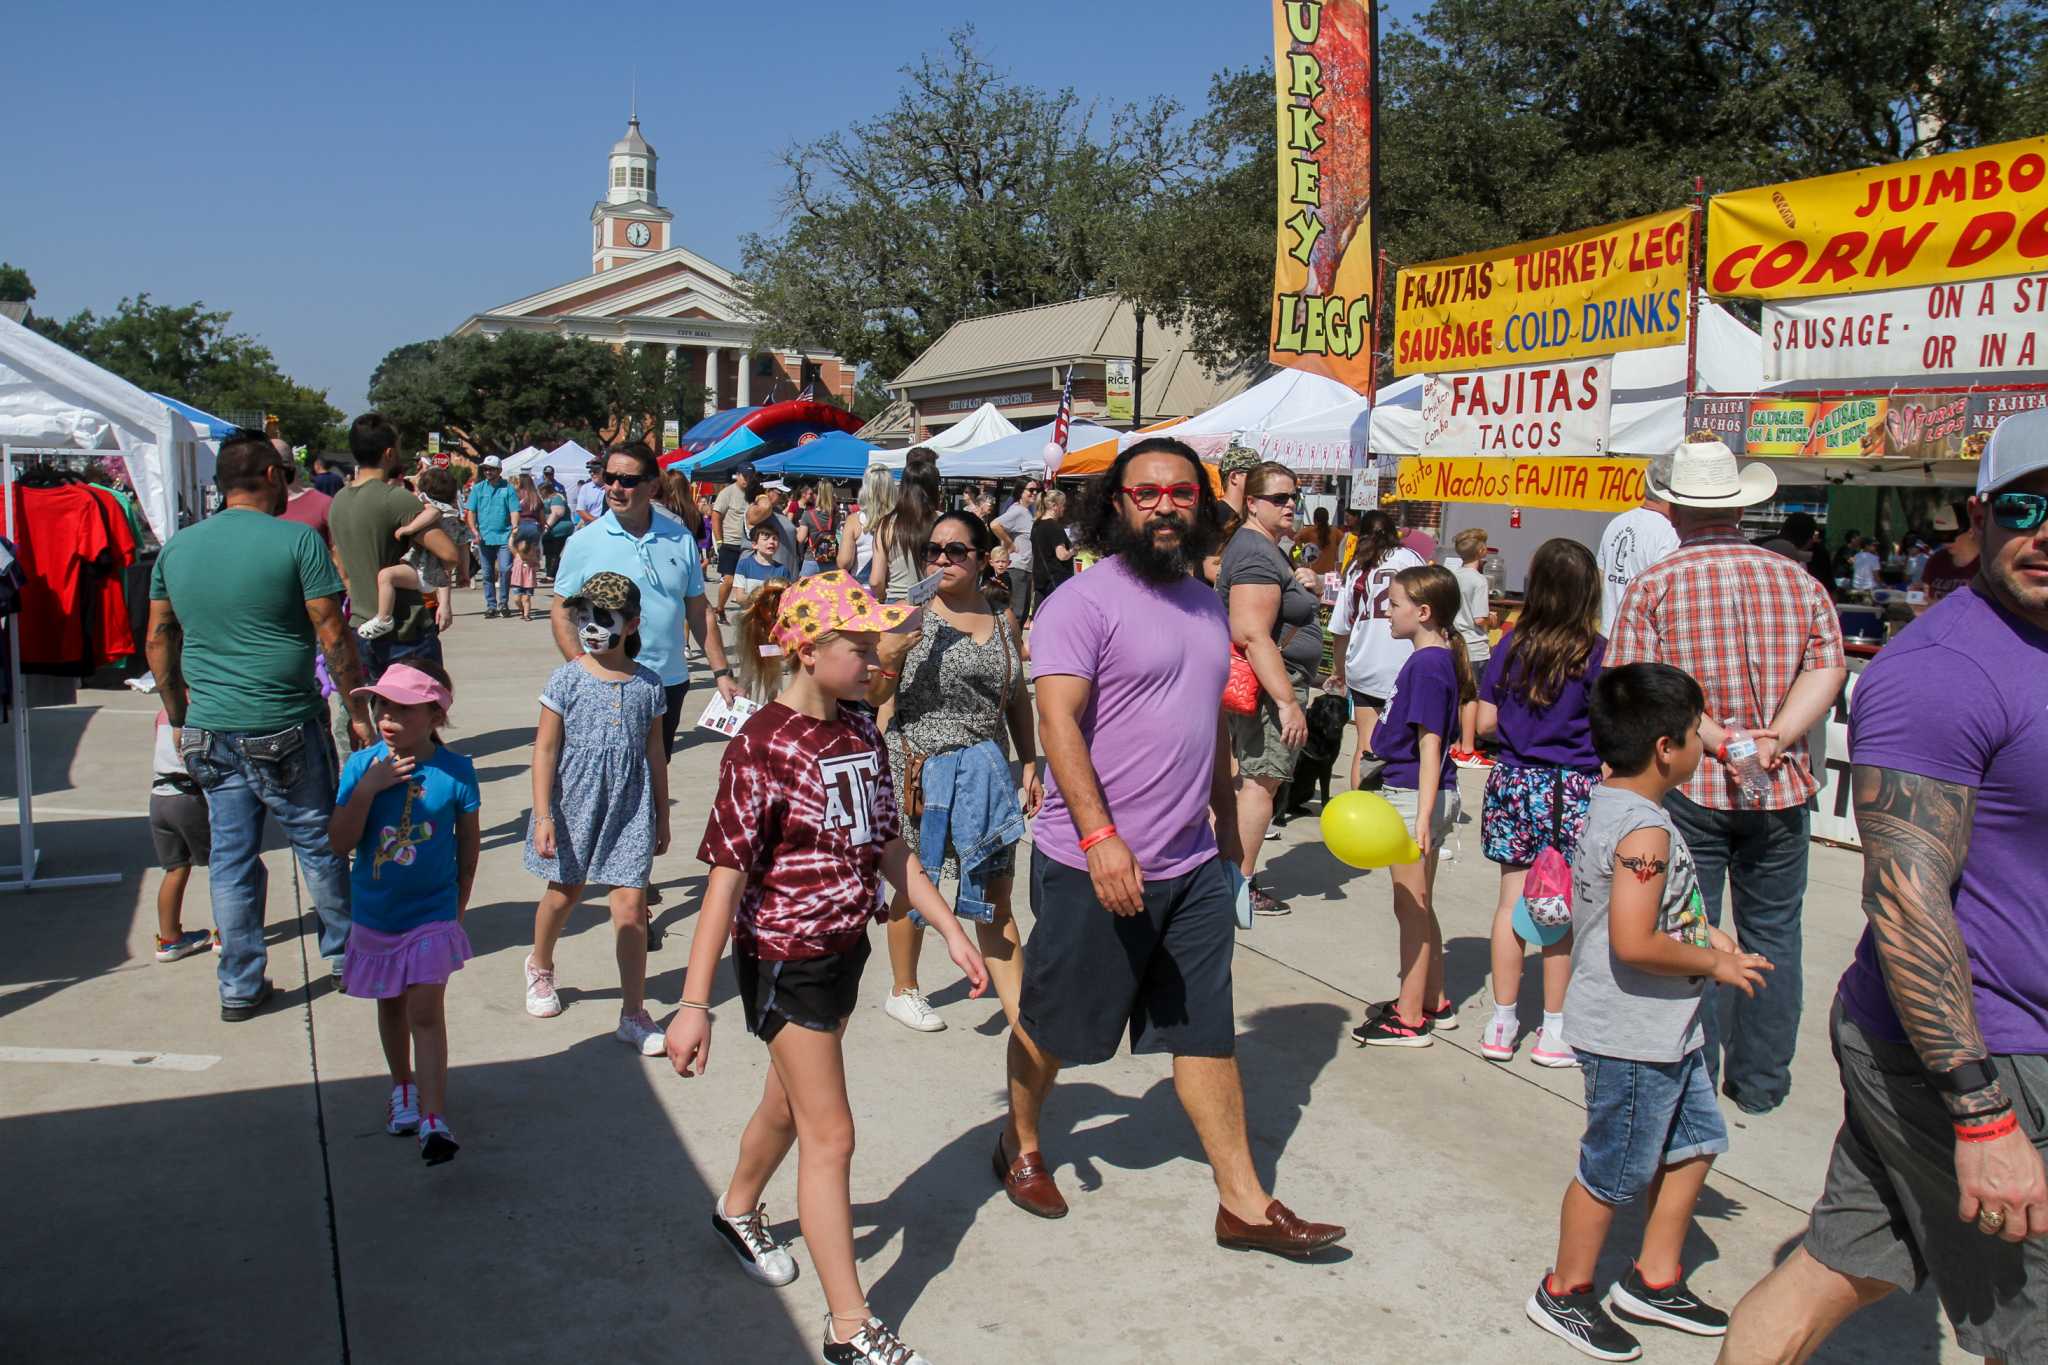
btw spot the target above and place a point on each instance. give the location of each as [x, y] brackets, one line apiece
[1989, 1132]
[1089, 841]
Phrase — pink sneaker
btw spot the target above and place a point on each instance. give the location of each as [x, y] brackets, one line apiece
[1552, 1052]
[541, 1000]
[1497, 1044]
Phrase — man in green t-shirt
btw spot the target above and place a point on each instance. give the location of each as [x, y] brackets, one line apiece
[364, 521]
[237, 604]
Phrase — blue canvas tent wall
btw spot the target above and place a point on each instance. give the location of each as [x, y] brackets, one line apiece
[834, 455]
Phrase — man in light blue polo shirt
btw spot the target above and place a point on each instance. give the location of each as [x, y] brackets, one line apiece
[493, 510]
[660, 555]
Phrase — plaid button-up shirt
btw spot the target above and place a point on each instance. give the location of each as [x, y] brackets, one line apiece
[1745, 623]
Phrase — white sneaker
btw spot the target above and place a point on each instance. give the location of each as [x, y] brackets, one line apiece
[1498, 1042]
[541, 1000]
[1552, 1052]
[759, 1254]
[873, 1344]
[402, 1110]
[376, 628]
[638, 1031]
[913, 1011]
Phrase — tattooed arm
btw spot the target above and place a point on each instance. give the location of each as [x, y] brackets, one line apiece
[164, 647]
[1916, 833]
[344, 665]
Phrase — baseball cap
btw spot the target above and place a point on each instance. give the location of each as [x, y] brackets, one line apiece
[2018, 447]
[1238, 459]
[612, 591]
[493, 462]
[832, 601]
[408, 686]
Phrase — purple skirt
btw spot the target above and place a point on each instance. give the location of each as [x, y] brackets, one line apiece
[380, 966]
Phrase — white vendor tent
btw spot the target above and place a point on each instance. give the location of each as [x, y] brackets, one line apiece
[51, 397]
[1286, 396]
[1022, 453]
[528, 461]
[978, 428]
[1333, 441]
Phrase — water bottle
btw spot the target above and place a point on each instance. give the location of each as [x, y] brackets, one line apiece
[1744, 763]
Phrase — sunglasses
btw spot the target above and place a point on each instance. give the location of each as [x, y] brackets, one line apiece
[1146, 496]
[953, 552]
[1278, 499]
[2020, 511]
[626, 481]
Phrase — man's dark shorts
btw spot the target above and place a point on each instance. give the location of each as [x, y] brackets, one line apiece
[729, 559]
[1888, 1211]
[1165, 974]
[672, 714]
[386, 650]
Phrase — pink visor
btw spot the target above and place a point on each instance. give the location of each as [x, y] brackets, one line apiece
[408, 686]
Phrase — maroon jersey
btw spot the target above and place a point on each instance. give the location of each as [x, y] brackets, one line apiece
[804, 809]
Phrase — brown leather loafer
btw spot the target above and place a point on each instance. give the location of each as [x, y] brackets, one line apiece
[1029, 1184]
[1282, 1234]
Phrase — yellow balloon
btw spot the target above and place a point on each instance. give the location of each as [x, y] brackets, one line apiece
[1364, 830]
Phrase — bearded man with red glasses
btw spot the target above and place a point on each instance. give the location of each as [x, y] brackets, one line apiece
[1133, 870]
[1941, 1022]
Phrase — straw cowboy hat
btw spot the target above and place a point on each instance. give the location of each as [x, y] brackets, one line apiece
[1704, 474]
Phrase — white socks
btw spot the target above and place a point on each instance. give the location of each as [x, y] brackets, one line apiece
[1553, 1026]
[1504, 1015]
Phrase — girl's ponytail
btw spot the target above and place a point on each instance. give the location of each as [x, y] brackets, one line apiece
[762, 676]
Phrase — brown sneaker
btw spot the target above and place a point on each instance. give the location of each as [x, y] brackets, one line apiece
[1282, 1234]
[1029, 1184]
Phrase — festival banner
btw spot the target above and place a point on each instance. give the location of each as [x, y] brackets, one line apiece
[1521, 410]
[1941, 329]
[1324, 80]
[1592, 292]
[1595, 484]
[1932, 426]
[1971, 215]
[1117, 389]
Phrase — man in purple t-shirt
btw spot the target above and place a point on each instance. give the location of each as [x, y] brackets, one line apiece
[1941, 1023]
[1131, 887]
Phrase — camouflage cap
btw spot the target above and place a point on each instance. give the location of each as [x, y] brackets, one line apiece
[1238, 459]
[612, 591]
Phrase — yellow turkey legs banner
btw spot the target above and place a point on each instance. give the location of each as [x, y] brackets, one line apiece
[1323, 74]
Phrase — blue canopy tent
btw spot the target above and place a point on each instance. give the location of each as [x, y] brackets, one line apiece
[208, 426]
[721, 455]
[834, 455]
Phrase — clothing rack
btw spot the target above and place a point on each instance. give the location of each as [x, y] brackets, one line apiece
[22, 875]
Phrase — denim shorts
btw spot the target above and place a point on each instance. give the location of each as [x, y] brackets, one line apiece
[1641, 1116]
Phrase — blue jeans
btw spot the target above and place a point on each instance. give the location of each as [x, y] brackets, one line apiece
[1642, 1117]
[497, 567]
[1762, 853]
[290, 776]
[386, 650]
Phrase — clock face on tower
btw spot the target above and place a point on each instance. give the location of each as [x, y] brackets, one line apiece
[637, 234]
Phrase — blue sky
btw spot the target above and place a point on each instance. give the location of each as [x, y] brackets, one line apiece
[348, 178]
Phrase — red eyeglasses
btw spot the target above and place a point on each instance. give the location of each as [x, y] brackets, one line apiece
[1146, 496]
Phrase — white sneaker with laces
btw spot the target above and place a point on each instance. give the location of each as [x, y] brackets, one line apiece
[759, 1254]
[1551, 1051]
[873, 1344]
[541, 1000]
[913, 1011]
[1498, 1043]
[402, 1110]
[637, 1030]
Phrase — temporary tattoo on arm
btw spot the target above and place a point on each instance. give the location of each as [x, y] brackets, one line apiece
[1646, 869]
[1916, 832]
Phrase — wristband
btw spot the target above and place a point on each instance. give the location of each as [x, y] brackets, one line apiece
[2006, 1122]
[693, 1005]
[718, 673]
[1721, 753]
[1964, 1079]
[1089, 841]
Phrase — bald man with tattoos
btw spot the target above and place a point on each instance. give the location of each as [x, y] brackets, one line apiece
[1941, 1023]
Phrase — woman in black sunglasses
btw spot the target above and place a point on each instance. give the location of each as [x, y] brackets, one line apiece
[959, 690]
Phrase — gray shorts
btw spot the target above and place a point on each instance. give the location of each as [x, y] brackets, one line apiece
[179, 828]
[1255, 739]
[1888, 1211]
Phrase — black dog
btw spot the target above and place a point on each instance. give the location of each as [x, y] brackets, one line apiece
[1327, 718]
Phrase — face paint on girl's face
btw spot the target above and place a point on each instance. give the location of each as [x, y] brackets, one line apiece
[599, 628]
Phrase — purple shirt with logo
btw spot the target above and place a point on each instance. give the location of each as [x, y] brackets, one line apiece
[1425, 698]
[1158, 659]
[1559, 735]
[1961, 696]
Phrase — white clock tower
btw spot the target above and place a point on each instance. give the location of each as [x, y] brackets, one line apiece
[628, 224]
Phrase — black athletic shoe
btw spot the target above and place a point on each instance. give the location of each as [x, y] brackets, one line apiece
[1580, 1320]
[1673, 1306]
[246, 1009]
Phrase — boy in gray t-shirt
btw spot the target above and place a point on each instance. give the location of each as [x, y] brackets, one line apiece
[1641, 953]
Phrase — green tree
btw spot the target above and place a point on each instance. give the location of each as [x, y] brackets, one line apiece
[499, 393]
[14, 284]
[972, 194]
[190, 353]
[653, 385]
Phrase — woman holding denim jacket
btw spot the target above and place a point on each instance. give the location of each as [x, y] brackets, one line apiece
[958, 688]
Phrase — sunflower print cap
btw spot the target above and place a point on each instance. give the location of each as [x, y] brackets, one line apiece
[831, 601]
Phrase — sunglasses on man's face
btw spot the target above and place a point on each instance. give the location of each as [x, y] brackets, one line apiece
[1147, 495]
[953, 552]
[2020, 511]
[626, 481]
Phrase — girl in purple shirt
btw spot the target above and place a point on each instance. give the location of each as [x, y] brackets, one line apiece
[1414, 737]
[1534, 699]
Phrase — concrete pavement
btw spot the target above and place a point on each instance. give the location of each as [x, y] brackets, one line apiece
[253, 1208]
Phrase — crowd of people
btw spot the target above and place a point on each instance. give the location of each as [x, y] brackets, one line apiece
[929, 684]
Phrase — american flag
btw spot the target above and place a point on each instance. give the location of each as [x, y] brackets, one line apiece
[1059, 423]
[809, 393]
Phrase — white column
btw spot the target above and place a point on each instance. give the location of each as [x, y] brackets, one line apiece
[746, 378]
[711, 379]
